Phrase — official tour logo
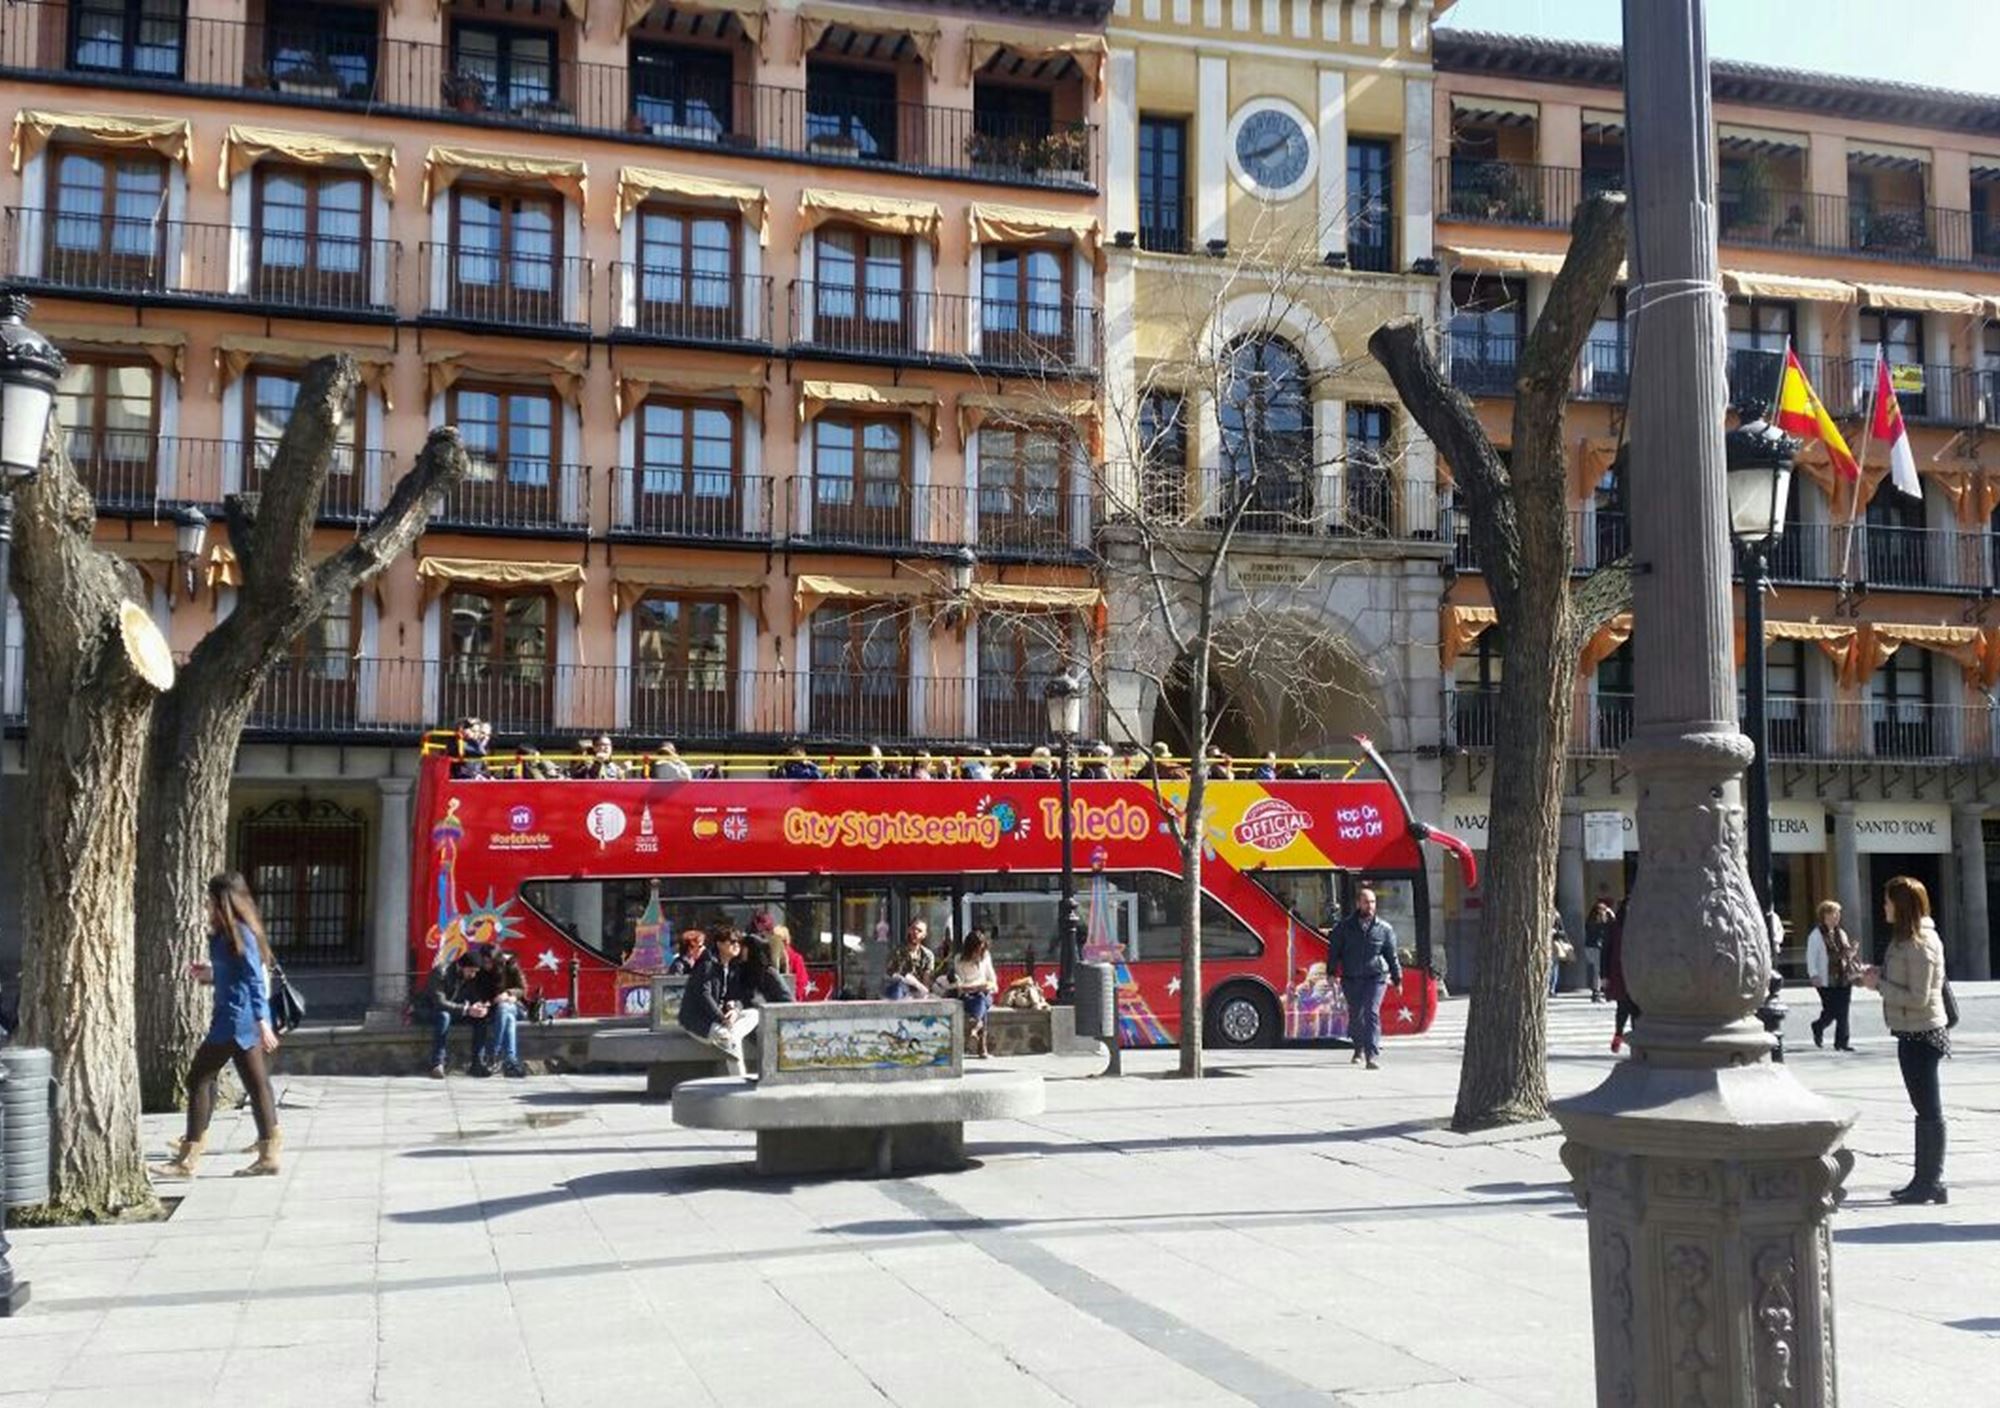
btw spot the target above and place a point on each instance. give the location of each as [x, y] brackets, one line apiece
[1271, 824]
[520, 818]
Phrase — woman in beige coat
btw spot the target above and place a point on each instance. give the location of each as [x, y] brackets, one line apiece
[1911, 981]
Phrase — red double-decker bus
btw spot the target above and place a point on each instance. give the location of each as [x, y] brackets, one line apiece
[603, 874]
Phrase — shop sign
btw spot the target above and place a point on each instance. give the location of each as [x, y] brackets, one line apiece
[1604, 835]
[1467, 818]
[1906, 828]
[1798, 828]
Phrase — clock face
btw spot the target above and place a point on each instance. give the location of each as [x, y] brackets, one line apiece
[1273, 151]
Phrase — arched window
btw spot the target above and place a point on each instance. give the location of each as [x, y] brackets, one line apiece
[1266, 413]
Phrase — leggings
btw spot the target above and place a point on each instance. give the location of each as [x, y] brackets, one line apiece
[209, 1059]
[1628, 1010]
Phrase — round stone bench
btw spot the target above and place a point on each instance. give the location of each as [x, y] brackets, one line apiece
[669, 1055]
[880, 1128]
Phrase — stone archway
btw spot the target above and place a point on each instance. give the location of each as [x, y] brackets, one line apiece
[1315, 709]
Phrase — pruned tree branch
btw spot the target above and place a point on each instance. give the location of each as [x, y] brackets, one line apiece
[440, 465]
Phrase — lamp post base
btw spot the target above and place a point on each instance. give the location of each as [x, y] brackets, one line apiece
[1708, 1192]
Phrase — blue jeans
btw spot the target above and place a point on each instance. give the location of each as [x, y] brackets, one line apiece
[441, 1023]
[501, 1036]
[1364, 1013]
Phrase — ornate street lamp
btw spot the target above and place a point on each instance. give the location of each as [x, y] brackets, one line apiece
[1759, 473]
[190, 534]
[30, 367]
[1065, 701]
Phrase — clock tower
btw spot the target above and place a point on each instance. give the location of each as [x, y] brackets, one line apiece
[1268, 192]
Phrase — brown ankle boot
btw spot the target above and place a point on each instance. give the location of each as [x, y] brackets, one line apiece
[186, 1159]
[267, 1157]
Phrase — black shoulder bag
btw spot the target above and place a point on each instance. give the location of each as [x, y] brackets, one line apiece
[288, 1008]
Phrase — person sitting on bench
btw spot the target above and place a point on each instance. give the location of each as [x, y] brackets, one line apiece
[452, 995]
[713, 1009]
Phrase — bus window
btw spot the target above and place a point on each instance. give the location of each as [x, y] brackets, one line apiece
[934, 907]
[1396, 904]
[1308, 894]
[1020, 925]
[1158, 937]
[604, 915]
[866, 932]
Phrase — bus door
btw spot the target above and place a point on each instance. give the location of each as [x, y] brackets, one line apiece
[873, 918]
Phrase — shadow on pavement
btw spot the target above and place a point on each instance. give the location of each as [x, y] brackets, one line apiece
[1197, 1140]
[1916, 1233]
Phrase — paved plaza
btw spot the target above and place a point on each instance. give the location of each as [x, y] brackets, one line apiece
[1293, 1231]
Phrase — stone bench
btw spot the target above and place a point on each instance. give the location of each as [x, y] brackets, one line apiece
[859, 1087]
[669, 1054]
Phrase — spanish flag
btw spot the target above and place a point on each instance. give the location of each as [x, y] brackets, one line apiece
[1800, 413]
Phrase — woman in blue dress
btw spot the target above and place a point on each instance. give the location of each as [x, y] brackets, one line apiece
[240, 1033]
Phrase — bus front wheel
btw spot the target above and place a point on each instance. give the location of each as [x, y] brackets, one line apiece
[1242, 1014]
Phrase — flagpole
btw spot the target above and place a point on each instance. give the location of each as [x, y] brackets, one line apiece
[1861, 462]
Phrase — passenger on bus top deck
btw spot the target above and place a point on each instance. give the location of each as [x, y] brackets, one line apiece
[797, 767]
[670, 766]
[597, 763]
[1098, 768]
[1221, 766]
[924, 768]
[1040, 764]
[531, 766]
[872, 769]
[1267, 770]
[978, 767]
[468, 748]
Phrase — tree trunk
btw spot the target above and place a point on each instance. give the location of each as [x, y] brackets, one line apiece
[1521, 532]
[183, 840]
[95, 664]
[1191, 1006]
[184, 814]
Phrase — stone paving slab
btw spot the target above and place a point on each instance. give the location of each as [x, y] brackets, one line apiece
[1293, 1231]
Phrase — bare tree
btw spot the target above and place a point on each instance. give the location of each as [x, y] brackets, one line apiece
[95, 666]
[1178, 543]
[184, 808]
[1520, 527]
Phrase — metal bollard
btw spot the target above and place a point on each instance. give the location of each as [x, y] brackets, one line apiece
[1097, 1007]
[575, 968]
[24, 1164]
[13, 1293]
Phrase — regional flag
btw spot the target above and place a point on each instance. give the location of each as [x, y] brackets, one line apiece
[1888, 427]
[1800, 413]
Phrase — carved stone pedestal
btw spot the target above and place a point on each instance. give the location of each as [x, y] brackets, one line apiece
[1711, 1261]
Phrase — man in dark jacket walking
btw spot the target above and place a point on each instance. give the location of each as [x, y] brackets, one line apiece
[713, 1007]
[1362, 949]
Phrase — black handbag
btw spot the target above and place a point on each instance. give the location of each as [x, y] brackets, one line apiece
[288, 1008]
[1950, 1006]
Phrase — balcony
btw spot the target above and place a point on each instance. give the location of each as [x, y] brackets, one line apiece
[1512, 192]
[521, 292]
[518, 496]
[1604, 371]
[698, 506]
[1545, 197]
[1475, 715]
[353, 480]
[1606, 726]
[1485, 364]
[1001, 521]
[1037, 338]
[175, 261]
[137, 472]
[940, 329]
[1354, 504]
[677, 307]
[325, 65]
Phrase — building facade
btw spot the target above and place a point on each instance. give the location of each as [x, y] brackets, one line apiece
[774, 332]
[1853, 217]
[1269, 203]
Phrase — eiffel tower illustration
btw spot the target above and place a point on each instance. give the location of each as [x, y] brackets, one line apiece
[1137, 1026]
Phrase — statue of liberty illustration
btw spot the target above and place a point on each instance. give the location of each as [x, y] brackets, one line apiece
[463, 923]
[1137, 1026]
